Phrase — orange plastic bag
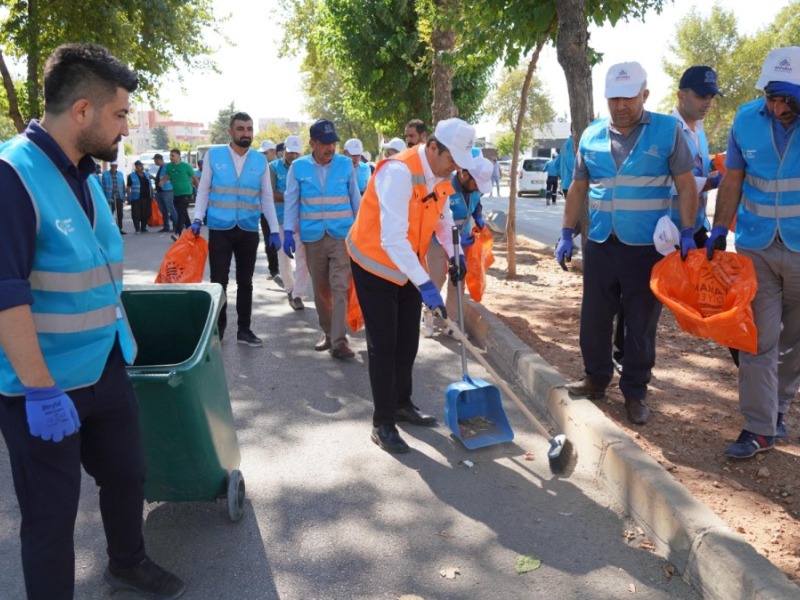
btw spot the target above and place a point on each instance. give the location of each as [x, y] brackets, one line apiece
[479, 258]
[710, 299]
[155, 220]
[185, 261]
[355, 319]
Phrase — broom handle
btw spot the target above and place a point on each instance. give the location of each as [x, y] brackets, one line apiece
[456, 253]
[503, 385]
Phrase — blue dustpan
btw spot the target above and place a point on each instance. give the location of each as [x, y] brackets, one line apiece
[473, 408]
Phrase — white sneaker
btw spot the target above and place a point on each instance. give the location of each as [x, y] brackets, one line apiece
[427, 323]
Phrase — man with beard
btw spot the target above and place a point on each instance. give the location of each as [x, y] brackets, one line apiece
[234, 192]
[415, 132]
[65, 398]
[295, 281]
[322, 199]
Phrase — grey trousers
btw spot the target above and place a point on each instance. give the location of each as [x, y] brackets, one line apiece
[769, 379]
[329, 266]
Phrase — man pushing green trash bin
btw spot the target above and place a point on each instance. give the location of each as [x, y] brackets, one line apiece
[65, 398]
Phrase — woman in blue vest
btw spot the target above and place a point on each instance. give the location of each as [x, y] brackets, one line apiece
[65, 397]
[631, 159]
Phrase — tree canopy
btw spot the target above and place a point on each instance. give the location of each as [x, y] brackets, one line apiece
[503, 103]
[152, 36]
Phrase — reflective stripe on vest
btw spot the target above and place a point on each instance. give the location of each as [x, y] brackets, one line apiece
[629, 201]
[76, 278]
[770, 200]
[424, 211]
[235, 200]
[326, 210]
[136, 187]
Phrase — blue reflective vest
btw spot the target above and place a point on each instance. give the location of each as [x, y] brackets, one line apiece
[76, 278]
[281, 170]
[136, 186]
[567, 163]
[363, 173]
[234, 200]
[324, 210]
[700, 170]
[629, 202]
[552, 167]
[458, 205]
[771, 188]
[162, 170]
[108, 185]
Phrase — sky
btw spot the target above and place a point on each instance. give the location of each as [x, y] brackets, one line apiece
[264, 85]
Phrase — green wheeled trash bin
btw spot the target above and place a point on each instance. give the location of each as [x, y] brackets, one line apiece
[187, 423]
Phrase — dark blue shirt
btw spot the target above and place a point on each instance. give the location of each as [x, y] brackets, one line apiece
[18, 223]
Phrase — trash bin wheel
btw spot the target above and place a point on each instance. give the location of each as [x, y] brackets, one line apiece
[235, 495]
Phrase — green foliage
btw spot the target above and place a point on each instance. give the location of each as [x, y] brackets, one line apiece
[369, 63]
[274, 132]
[218, 132]
[505, 142]
[160, 137]
[503, 102]
[715, 41]
[153, 36]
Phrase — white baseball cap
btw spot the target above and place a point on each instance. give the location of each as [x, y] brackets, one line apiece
[354, 147]
[114, 163]
[781, 64]
[267, 145]
[459, 137]
[666, 235]
[293, 143]
[395, 144]
[482, 174]
[625, 80]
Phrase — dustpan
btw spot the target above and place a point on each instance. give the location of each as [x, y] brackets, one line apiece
[473, 408]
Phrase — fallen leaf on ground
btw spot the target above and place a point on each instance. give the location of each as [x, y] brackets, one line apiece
[628, 534]
[444, 534]
[669, 570]
[527, 562]
[410, 597]
[450, 572]
[528, 455]
[647, 545]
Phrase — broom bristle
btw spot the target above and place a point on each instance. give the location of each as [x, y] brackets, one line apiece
[560, 454]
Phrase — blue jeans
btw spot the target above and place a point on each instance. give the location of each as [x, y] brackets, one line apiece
[167, 207]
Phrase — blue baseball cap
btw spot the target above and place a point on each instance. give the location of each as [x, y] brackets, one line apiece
[323, 131]
[701, 80]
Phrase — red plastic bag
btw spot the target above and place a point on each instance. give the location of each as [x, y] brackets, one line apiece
[185, 260]
[479, 258]
[355, 319]
[155, 220]
[710, 299]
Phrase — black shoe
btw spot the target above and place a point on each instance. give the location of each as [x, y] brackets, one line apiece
[245, 336]
[296, 302]
[147, 579]
[123, 232]
[411, 414]
[587, 387]
[637, 411]
[323, 344]
[342, 351]
[388, 438]
[174, 237]
[145, 230]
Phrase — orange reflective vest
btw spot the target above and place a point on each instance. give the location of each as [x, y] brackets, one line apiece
[424, 210]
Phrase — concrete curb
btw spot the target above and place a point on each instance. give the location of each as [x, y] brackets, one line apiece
[716, 561]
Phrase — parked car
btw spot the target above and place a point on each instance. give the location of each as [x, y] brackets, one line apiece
[532, 178]
[505, 168]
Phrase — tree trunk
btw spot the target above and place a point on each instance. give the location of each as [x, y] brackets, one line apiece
[572, 48]
[11, 94]
[443, 42]
[511, 223]
[33, 59]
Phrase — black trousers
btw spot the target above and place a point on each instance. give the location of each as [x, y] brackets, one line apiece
[182, 208]
[47, 479]
[116, 208]
[552, 188]
[391, 319]
[140, 213]
[224, 244]
[272, 253]
[616, 275]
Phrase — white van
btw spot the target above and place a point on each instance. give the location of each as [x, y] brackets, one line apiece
[532, 178]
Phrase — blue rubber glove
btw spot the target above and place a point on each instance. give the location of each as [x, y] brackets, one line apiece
[789, 91]
[467, 239]
[478, 216]
[564, 247]
[716, 240]
[275, 241]
[457, 272]
[714, 180]
[432, 298]
[288, 243]
[195, 227]
[51, 413]
[687, 241]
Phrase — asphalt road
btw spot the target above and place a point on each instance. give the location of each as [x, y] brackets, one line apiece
[329, 515]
